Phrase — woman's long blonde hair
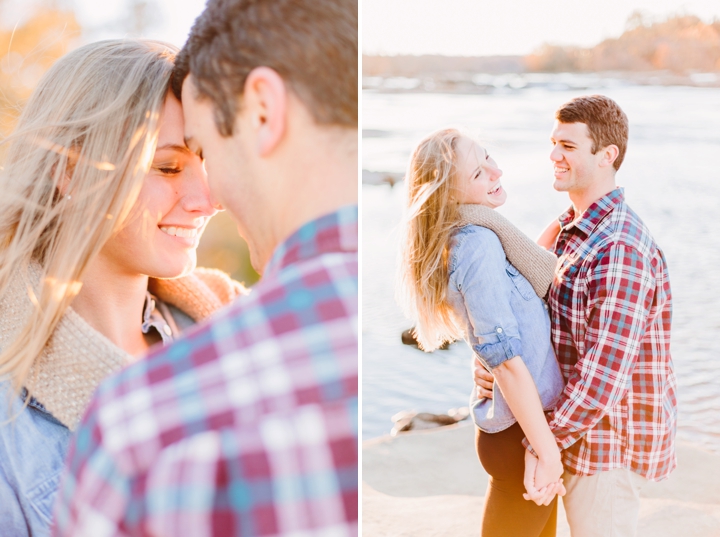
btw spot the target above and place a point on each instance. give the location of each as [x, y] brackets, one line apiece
[71, 172]
[431, 215]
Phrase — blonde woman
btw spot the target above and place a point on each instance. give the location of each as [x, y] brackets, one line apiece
[101, 211]
[457, 283]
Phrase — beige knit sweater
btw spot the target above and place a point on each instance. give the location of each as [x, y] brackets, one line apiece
[78, 357]
[533, 261]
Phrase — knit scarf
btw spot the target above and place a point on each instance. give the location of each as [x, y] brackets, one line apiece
[532, 260]
[77, 357]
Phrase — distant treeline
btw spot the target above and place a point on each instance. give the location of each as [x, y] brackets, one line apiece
[419, 66]
[680, 44]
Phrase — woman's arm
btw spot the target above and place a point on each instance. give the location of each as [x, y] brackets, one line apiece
[520, 392]
[549, 235]
[479, 272]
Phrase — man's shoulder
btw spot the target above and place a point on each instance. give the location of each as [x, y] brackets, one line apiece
[271, 303]
[256, 349]
[623, 228]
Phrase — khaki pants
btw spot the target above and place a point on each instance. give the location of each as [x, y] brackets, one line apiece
[606, 504]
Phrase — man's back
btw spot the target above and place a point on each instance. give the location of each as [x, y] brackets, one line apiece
[246, 426]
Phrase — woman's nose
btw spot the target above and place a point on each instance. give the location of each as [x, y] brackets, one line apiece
[197, 197]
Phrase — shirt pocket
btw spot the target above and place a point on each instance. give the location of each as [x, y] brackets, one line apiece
[519, 282]
[42, 496]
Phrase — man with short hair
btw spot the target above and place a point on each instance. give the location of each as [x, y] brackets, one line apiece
[610, 305]
[248, 425]
[610, 310]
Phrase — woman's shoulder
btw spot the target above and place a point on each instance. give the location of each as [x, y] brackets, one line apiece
[471, 245]
[200, 293]
[24, 424]
[21, 409]
[472, 236]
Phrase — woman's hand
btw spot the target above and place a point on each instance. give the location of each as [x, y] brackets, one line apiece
[549, 235]
[548, 471]
[483, 380]
[542, 479]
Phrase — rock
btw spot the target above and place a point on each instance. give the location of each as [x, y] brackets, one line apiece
[416, 421]
[381, 178]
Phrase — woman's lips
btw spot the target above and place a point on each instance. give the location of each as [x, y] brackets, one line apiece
[495, 190]
[176, 231]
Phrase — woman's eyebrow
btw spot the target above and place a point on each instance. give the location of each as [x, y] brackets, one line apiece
[481, 160]
[175, 147]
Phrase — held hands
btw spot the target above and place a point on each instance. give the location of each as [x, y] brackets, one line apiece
[483, 380]
[543, 479]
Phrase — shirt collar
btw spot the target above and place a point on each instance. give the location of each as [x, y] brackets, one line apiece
[594, 214]
[334, 232]
[155, 318]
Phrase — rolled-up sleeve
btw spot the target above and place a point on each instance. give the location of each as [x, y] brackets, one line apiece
[480, 276]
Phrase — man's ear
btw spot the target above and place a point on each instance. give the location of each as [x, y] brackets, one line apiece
[609, 155]
[265, 102]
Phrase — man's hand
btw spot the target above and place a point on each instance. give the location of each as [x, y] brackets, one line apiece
[545, 494]
[483, 380]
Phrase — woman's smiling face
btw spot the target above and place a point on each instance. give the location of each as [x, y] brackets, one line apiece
[478, 175]
[161, 234]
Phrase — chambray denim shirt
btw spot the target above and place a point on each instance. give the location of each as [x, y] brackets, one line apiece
[504, 318]
[33, 445]
[32, 452]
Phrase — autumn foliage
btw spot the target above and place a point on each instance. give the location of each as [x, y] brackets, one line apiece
[26, 52]
[680, 44]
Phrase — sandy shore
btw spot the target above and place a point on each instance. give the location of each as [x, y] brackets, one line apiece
[430, 483]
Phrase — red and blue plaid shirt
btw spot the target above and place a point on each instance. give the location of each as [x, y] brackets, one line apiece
[610, 307]
[247, 425]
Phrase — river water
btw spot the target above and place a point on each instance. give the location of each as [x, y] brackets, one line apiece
[671, 176]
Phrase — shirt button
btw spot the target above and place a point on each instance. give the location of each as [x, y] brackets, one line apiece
[167, 330]
[499, 330]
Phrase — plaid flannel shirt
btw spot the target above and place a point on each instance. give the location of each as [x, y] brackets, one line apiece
[247, 425]
[610, 307]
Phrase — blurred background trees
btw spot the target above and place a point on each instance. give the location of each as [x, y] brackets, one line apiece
[680, 44]
[27, 48]
[35, 33]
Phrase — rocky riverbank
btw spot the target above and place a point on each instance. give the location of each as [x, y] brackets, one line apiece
[430, 483]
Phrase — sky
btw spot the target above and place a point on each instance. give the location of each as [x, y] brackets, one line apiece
[505, 27]
[170, 20]
[166, 20]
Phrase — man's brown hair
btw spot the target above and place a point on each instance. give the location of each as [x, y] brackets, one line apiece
[311, 44]
[607, 123]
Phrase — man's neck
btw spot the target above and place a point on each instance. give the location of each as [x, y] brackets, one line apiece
[324, 171]
[583, 199]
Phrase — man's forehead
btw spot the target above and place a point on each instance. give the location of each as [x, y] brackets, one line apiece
[569, 131]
